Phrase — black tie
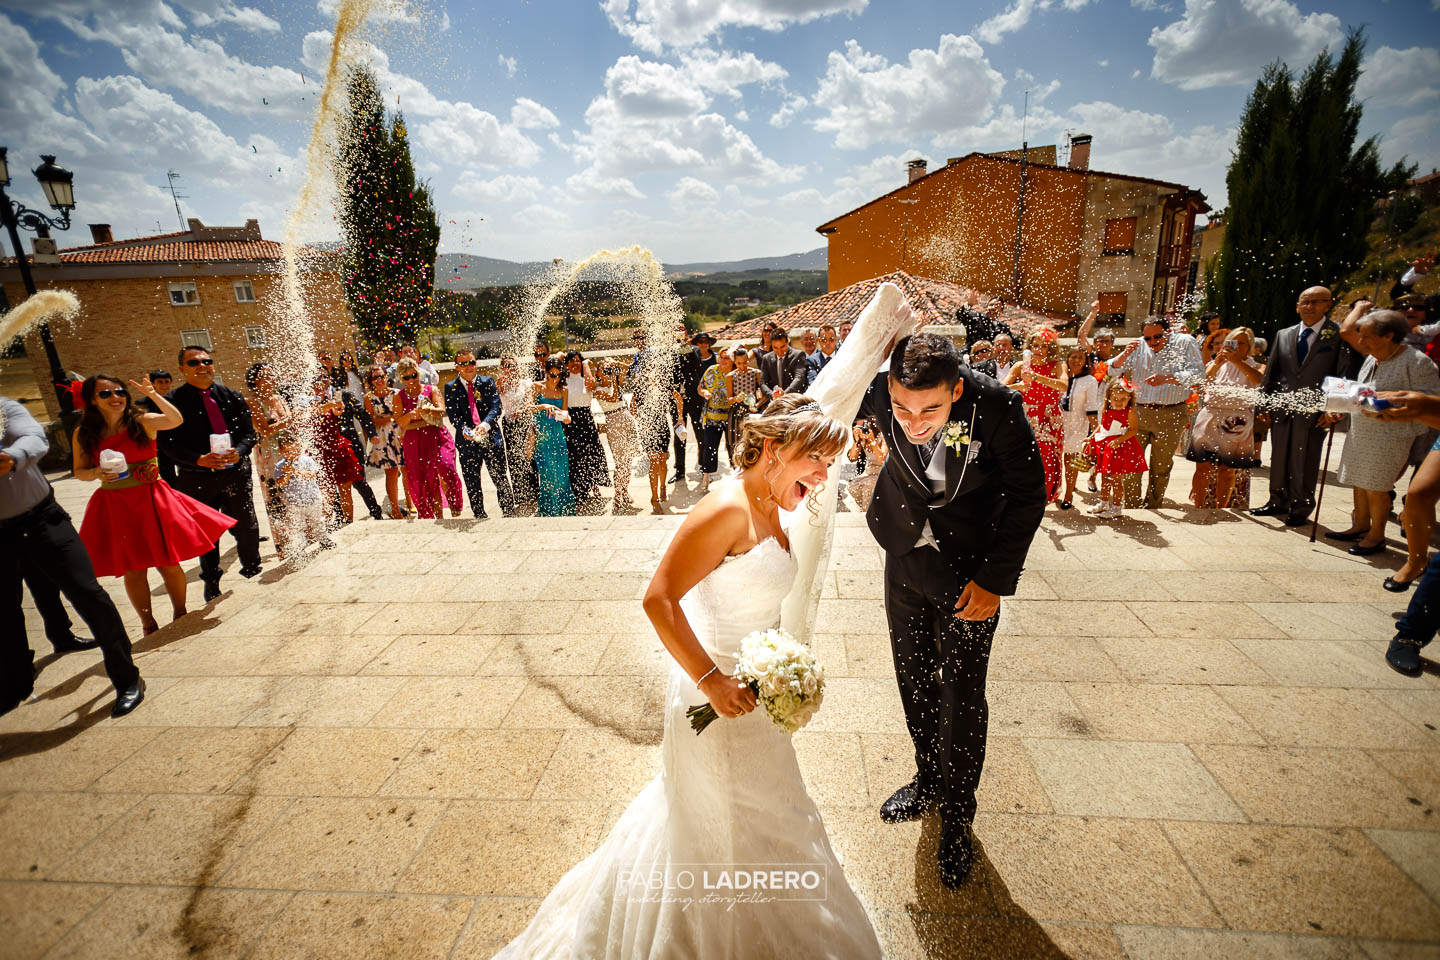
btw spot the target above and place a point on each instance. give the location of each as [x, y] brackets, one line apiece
[1302, 349]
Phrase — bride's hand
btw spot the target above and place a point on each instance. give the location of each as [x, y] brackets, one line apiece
[730, 697]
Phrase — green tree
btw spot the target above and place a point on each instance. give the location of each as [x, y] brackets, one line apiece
[1301, 191]
[387, 218]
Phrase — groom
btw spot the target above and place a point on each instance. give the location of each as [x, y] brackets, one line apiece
[955, 508]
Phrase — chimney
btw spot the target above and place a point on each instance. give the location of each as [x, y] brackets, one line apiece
[100, 233]
[917, 169]
[1080, 151]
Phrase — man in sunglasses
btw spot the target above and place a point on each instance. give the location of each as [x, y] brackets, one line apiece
[472, 402]
[219, 480]
[1164, 366]
[542, 354]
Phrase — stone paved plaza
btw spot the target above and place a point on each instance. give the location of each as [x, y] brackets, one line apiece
[1196, 750]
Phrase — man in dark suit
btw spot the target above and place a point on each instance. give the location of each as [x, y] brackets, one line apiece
[161, 381]
[955, 508]
[782, 370]
[472, 403]
[1301, 358]
[690, 366]
[219, 480]
[824, 353]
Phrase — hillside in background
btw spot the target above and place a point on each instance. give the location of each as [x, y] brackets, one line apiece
[460, 271]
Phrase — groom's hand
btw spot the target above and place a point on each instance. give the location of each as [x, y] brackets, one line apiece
[976, 603]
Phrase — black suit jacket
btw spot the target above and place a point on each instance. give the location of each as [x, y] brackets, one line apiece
[1328, 356]
[191, 440]
[994, 489]
[487, 402]
[789, 376]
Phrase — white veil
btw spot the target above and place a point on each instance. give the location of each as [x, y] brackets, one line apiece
[840, 389]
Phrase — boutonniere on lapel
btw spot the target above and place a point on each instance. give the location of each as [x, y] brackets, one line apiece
[1327, 334]
[956, 435]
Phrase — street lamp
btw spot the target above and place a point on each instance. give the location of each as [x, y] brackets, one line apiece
[57, 182]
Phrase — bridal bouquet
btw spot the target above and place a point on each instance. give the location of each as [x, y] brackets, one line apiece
[785, 676]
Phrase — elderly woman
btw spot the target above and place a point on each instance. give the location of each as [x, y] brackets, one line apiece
[1222, 440]
[717, 389]
[1376, 451]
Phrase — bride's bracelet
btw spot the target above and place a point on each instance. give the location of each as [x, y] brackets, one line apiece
[706, 674]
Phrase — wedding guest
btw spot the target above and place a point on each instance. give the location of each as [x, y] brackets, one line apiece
[419, 414]
[690, 366]
[1080, 413]
[298, 476]
[218, 480]
[136, 521]
[542, 357]
[1043, 381]
[620, 430]
[658, 413]
[718, 392]
[162, 382]
[782, 370]
[819, 358]
[867, 447]
[845, 328]
[762, 349]
[588, 469]
[1222, 439]
[270, 414]
[809, 343]
[745, 383]
[472, 402]
[517, 425]
[552, 458]
[1005, 359]
[982, 358]
[36, 534]
[355, 425]
[1164, 367]
[385, 452]
[1376, 451]
[319, 414]
[1119, 453]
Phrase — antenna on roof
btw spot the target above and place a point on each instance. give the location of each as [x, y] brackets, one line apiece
[171, 176]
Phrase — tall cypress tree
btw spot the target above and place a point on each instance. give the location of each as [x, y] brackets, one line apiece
[387, 218]
[1301, 192]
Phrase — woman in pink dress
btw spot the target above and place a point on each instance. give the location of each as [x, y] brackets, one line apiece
[422, 438]
[1043, 380]
[136, 520]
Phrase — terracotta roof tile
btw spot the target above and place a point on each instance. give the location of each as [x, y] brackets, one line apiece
[934, 301]
[127, 241]
[192, 251]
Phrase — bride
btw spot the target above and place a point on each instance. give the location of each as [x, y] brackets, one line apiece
[681, 873]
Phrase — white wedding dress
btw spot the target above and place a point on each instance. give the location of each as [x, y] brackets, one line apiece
[731, 798]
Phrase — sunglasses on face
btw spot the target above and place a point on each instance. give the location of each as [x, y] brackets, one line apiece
[206, 362]
[107, 393]
[464, 363]
[541, 356]
[411, 376]
[1158, 336]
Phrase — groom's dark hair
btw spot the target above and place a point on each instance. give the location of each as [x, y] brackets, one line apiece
[924, 361]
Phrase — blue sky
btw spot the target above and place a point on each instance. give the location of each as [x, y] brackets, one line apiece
[717, 129]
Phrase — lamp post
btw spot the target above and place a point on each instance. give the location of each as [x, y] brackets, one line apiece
[56, 181]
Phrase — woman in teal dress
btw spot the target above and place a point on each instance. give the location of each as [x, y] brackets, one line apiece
[552, 460]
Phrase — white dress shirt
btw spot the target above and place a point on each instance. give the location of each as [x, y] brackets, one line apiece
[1180, 358]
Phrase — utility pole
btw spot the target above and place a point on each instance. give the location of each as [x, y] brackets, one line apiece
[171, 176]
[1016, 285]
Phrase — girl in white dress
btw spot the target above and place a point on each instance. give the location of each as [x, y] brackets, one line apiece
[1079, 411]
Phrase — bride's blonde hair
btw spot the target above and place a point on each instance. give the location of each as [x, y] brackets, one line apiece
[790, 421]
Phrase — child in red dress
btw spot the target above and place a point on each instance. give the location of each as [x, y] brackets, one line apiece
[1116, 448]
[136, 520]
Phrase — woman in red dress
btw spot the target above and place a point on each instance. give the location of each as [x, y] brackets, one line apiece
[339, 465]
[136, 520]
[1043, 380]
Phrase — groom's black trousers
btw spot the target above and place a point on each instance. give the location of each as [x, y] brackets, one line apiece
[940, 663]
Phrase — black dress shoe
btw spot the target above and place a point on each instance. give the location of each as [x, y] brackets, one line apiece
[1346, 536]
[212, 590]
[250, 573]
[1360, 550]
[1269, 510]
[481, 515]
[129, 698]
[910, 802]
[1397, 586]
[955, 854]
[75, 644]
[1297, 520]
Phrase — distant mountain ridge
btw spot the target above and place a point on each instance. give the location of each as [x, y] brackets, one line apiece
[459, 271]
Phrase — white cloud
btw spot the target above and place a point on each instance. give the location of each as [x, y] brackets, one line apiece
[1220, 42]
[691, 194]
[742, 115]
[793, 104]
[589, 184]
[645, 88]
[726, 72]
[529, 115]
[1135, 74]
[388, 11]
[1016, 16]
[653, 25]
[1416, 137]
[1399, 78]
[867, 99]
[466, 134]
[510, 65]
[1103, 63]
[506, 188]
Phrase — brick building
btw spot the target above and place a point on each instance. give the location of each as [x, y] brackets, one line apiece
[1086, 234]
[144, 298]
